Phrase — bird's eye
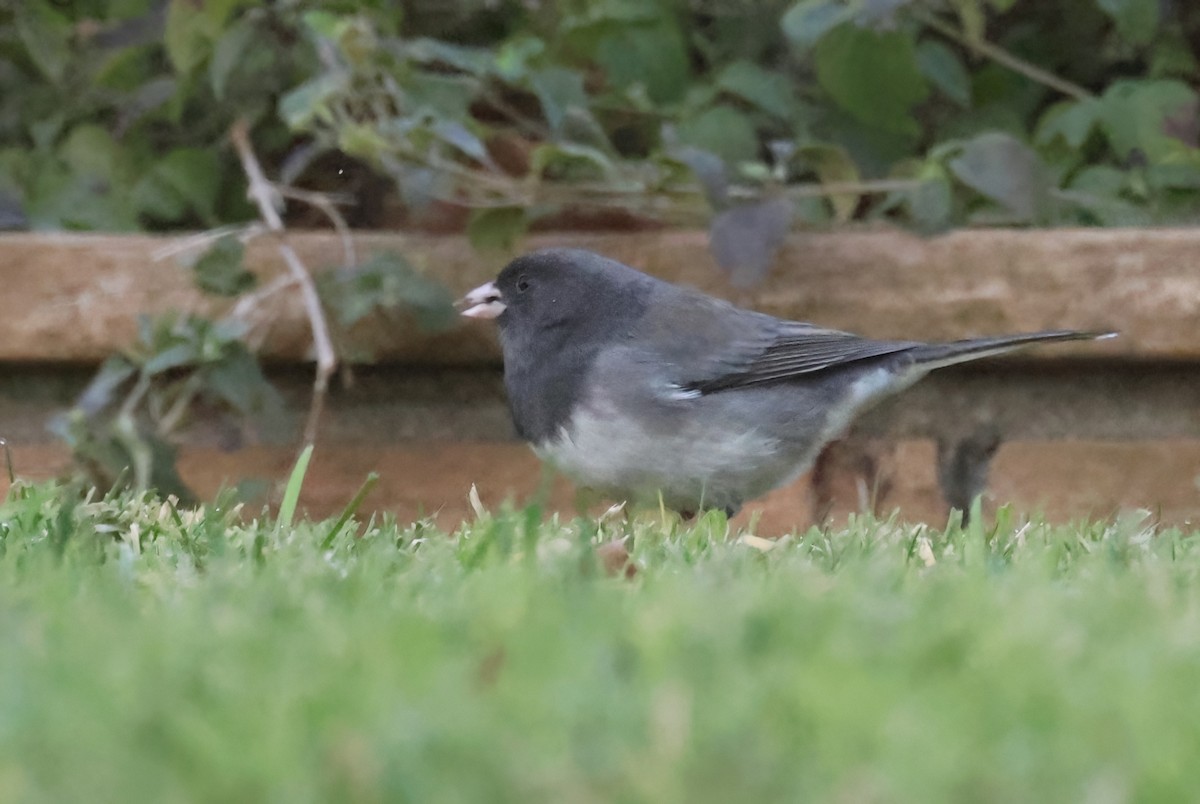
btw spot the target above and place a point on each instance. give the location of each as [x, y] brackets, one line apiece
[522, 284]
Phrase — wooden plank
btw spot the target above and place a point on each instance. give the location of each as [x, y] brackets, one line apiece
[389, 405]
[1062, 479]
[77, 297]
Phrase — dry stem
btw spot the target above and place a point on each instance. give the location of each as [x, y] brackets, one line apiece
[264, 193]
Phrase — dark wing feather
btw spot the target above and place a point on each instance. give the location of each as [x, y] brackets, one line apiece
[709, 345]
[795, 349]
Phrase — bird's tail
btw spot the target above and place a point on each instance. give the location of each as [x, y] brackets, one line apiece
[937, 355]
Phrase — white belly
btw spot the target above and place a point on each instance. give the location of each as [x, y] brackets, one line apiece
[691, 469]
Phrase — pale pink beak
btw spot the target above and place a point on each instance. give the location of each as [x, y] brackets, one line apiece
[482, 302]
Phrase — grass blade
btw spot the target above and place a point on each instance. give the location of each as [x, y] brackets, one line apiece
[291, 495]
[350, 509]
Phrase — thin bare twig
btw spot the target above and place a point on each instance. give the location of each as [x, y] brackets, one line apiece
[1003, 57]
[264, 194]
[182, 245]
[324, 203]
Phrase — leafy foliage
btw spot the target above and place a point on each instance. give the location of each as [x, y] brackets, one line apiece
[180, 368]
[519, 110]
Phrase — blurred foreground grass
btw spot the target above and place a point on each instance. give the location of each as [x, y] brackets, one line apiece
[149, 654]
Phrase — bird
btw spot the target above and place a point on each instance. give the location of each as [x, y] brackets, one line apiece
[651, 393]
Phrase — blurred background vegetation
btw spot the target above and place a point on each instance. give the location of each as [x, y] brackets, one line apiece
[492, 117]
[497, 114]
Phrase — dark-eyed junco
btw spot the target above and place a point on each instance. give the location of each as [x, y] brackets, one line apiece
[637, 388]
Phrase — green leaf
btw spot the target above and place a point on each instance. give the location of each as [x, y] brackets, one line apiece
[771, 92]
[745, 239]
[514, 57]
[188, 35]
[567, 161]
[941, 65]
[238, 380]
[463, 140]
[833, 165]
[653, 56]
[807, 21]
[558, 90]
[1136, 20]
[931, 203]
[46, 36]
[229, 51]
[475, 60]
[721, 130]
[1136, 114]
[1072, 121]
[309, 102]
[220, 269]
[1099, 191]
[101, 392]
[435, 95]
[873, 75]
[496, 228]
[90, 150]
[173, 357]
[1005, 170]
[186, 179]
[387, 282]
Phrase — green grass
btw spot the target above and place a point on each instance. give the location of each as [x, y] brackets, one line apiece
[149, 654]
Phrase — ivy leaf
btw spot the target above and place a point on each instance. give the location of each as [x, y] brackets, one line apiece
[654, 56]
[496, 228]
[172, 357]
[1072, 121]
[945, 70]
[931, 202]
[771, 92]
[1135, 115]
[1136, 20]
[238, 379]
[309, 102]
[873, 75]
[567, 161]
[1098, 191]
[463, 140]
[513, 58]
[386, 282]
[473, 60]
[227, 54]
[441, 96]
[220, 269]
[558, 90]
[807, 21]
[101, 392]
[745, 239]
[195, 174]
[187, 35]
[721, 130]
[46, 36]
[1005, 170]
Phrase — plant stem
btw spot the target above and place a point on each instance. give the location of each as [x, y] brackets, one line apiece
[263, 193]
[1003, 57]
